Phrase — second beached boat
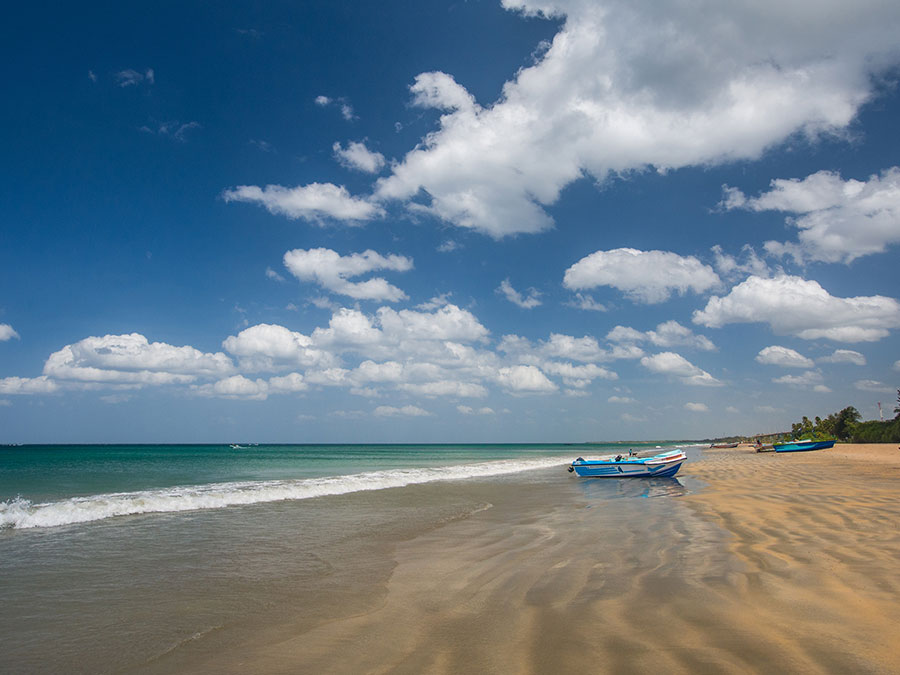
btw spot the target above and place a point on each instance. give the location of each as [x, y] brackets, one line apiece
[802, 446]
[630, 466]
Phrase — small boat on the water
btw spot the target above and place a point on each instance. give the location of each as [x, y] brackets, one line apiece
[802, 446]
[630, 466]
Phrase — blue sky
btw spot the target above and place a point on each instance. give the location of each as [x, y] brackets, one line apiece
[514, 221]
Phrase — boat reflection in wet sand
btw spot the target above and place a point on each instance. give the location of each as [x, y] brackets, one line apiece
[631, 465]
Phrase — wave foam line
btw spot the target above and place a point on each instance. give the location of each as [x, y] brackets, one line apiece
[21, 513]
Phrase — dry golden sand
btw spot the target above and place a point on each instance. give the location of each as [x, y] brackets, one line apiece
[782, 563]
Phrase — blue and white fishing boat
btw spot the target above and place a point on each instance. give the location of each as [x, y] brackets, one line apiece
[630, 466]
[802, 446]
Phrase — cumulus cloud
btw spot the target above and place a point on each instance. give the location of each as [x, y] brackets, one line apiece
[811, 379]
[784, 357]
[620, 399]
[404, 411]
[530, 302]
[696, 407]
[357, 156]
[7, 332]
[314, 202]
[837, 220]
[234, 387]
[467, 410]
[845, 356]
[643, 276]
[332, 271]
[733, 267]
[670, 363]
[627, 85]
[558, 346]
[445, 388]
[28, 385]
[273, 347]
[525, 379]
[794, 306]
[578, 376]
[133, 359]
[874, 386]
[667, 334]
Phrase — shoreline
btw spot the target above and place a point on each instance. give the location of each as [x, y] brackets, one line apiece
[763, 569]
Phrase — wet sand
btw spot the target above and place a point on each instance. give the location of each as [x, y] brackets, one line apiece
[781, 563]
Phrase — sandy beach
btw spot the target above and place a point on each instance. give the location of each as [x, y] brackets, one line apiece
[777, 563]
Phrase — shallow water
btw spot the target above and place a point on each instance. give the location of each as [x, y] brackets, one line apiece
[98, 591]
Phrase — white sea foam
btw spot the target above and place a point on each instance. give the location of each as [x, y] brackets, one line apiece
[21, 513]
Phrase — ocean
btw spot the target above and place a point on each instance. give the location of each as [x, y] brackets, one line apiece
[138, 558]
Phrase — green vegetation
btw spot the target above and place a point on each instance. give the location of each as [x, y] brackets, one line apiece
[846, 425]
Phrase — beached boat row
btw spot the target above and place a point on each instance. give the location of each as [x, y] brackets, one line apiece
[666, 464]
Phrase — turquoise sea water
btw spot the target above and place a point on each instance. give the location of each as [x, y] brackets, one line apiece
[115, 558]
[56, 485]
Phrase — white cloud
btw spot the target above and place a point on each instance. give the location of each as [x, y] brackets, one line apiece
[332, 271]
[838, 221]
[7, 332]
[27, 385]
[630, 85]
[358, 156]
[313, 202]
[272, 274]
[234, 387]
[133, 359]
[897, 365]
[845, 356]
[559, 346]
[446, 388]
[92, 76]
[643, 276]
[130, 77]
[524, 379]
[587, 303]
[794, 306]
[696, 407]
[811, 379]
[874, 386]
[290, 383]
[784, 357]
[730, 267]
[466, 410]
[620, 399]
[578, 376]
[272, 347]
[533, 300]
[667, 334]
[404, 411]
[670, 363]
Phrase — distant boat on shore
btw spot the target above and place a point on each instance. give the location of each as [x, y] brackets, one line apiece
[724, 445]
[802, 446]
[663, 464]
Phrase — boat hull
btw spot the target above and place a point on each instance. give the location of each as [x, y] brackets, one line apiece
[803, 446]
[664, 465]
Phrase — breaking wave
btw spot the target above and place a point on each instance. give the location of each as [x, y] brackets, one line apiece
[21, 513]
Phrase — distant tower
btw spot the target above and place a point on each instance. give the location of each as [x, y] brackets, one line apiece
[880, 411]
